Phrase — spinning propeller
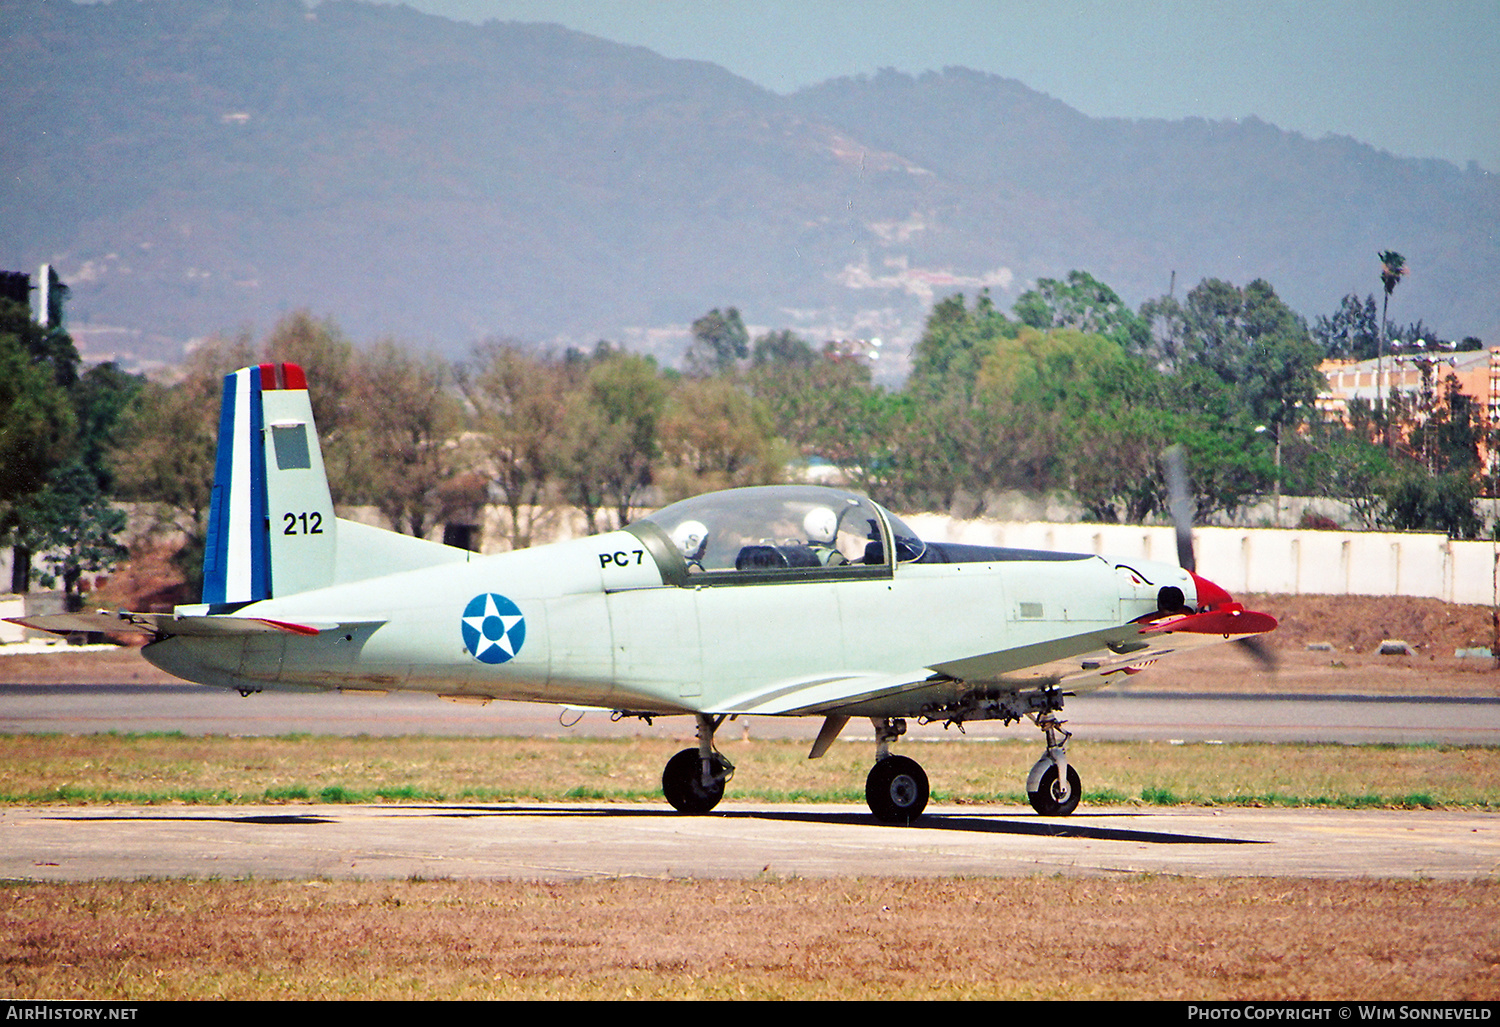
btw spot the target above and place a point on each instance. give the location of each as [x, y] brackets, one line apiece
[1180, 506]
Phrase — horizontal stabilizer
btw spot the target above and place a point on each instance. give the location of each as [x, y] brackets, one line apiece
[365, 552]
[161, 624]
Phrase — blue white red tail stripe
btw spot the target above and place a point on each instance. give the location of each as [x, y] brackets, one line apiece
[236, 559]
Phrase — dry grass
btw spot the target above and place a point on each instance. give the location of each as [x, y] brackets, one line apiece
[1028, 938]
[160, 768]
[1036, 938]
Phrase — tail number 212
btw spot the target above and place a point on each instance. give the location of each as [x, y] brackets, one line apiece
[302, 523]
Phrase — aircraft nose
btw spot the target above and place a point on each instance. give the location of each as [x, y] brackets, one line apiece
[1210, 596]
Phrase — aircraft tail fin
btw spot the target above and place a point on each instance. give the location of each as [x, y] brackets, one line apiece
[271, 525]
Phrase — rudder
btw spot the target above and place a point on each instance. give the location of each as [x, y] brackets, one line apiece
[272, 529]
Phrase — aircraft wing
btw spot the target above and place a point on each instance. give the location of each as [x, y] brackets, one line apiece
[827, 694]
[1080, 663]
[162, 624]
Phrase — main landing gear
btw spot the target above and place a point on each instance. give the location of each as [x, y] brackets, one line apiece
[694, 779]
[896, 788]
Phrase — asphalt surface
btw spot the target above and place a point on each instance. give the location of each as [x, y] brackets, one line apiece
[739, 839]
[536, 842]
[1103, 716]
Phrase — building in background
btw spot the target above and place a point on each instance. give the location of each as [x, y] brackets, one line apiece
[1422, 378]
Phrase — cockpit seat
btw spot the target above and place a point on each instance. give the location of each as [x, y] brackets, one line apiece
[771, 558]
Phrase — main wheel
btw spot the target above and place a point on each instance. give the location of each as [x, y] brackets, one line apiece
[1047, 799]
[896, 790]
[682, 782]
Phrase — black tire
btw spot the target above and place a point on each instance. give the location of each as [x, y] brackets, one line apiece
[896, 790]
[1045, 801]
[682, 782]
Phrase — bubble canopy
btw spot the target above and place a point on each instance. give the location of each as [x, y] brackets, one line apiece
[775, 532]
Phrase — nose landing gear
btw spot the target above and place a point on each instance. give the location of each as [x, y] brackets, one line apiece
[1053, 787]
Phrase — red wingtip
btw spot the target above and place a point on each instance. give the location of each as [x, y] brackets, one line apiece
[1231, 620]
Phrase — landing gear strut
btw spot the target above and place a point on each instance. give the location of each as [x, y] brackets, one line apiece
[694, 779]
[896, 789]
[1053, 787]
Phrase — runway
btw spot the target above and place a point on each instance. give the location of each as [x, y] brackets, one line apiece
[540, 842]
[1104, 716]
[740, 839]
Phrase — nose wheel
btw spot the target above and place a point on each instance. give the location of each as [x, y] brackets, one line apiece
[1053, 786]
[1051, 799]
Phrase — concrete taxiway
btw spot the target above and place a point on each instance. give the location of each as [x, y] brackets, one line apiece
[542, 842]
[1113, 715]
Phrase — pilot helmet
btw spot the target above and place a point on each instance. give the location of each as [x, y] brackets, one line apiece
[821, 524]
[690, 537]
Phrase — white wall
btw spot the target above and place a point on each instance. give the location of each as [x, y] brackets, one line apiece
[1279, 561]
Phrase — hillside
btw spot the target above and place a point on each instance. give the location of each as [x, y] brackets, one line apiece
[195, 166]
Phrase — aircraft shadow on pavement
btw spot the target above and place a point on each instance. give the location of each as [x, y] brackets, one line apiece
[260, 819]
[1042, 827]
[1073, 827]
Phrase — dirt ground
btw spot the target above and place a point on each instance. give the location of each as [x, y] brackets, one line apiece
[1150, 937]
[1346, 632]
[1331, 644]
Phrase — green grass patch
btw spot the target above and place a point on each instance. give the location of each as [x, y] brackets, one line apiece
[167, 767]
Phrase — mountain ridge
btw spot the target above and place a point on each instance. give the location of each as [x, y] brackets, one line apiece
[194, 167]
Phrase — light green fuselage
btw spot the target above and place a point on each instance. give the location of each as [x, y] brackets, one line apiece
[603, 628]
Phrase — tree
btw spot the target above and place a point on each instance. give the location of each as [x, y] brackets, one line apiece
[1392, 270]
[69, 521]
[331, 363]
[955, 343]
[715, 436]
[1257, 346]
[520, 409]
[785, 350]
[167, 443]
[1341, 463]
[1447, 427]
[1353, 333]
[74, 528]
[1034, 390]
[37, 421]
[1087, 304]
[1444, 502]
[409, 420]
[101, 398]
[826, 407]
[719, 340]
[611, 441]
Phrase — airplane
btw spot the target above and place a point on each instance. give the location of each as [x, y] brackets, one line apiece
[779, 601]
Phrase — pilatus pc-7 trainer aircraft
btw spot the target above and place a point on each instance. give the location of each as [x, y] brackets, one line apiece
[784, 601]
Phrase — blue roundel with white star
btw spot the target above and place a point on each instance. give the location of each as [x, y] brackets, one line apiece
[493, 628]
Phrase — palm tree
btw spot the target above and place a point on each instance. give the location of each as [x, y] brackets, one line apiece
[1392, 267]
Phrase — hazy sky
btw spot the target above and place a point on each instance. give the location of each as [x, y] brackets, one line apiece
[1420, 78]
